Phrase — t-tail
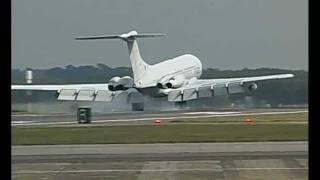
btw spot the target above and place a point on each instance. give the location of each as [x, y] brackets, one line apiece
[139, 66]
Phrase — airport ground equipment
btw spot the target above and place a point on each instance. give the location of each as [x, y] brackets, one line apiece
[84, 115]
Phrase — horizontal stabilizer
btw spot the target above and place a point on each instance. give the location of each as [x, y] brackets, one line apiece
[148, 35]
[126, 36]
[98, 37]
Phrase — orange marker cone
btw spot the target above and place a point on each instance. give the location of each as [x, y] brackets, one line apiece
[248, 120]
[157, 121]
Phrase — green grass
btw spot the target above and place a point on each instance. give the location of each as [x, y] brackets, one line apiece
[159, 133]
[214, 129]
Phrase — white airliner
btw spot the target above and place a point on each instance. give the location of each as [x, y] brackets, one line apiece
[175, 78]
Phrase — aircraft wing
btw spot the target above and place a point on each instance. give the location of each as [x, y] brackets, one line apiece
[83, 92]
[198, 88]
[60, 87]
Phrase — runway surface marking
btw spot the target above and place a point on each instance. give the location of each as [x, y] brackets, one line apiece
[38, 115]
[165, 118]
[260, 122]
[206, 112]
[52, 123]
[155, 170]
[22, 122]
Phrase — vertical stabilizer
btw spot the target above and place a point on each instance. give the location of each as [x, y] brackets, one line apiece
[139, 67]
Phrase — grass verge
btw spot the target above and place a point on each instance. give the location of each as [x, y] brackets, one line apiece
[159, 133]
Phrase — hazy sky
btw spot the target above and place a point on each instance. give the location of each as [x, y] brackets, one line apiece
[225, 34]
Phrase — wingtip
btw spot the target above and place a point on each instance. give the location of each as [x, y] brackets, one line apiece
[78, 38]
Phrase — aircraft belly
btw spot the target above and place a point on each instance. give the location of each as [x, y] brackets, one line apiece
[151, 92]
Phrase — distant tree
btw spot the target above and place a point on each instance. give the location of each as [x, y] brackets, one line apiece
[70, 67]
[102, 66]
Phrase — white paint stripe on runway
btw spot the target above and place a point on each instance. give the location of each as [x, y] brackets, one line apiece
[208, 112]
[40, 123]
[240, 122]
[154, 170]
[38, 115]
[22, 122]
[168, 118]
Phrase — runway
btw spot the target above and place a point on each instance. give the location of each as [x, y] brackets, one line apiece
[70, 119]
[241, 160]
[246, 160]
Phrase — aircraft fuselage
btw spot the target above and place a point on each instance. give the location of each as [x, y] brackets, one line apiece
[184, 67]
